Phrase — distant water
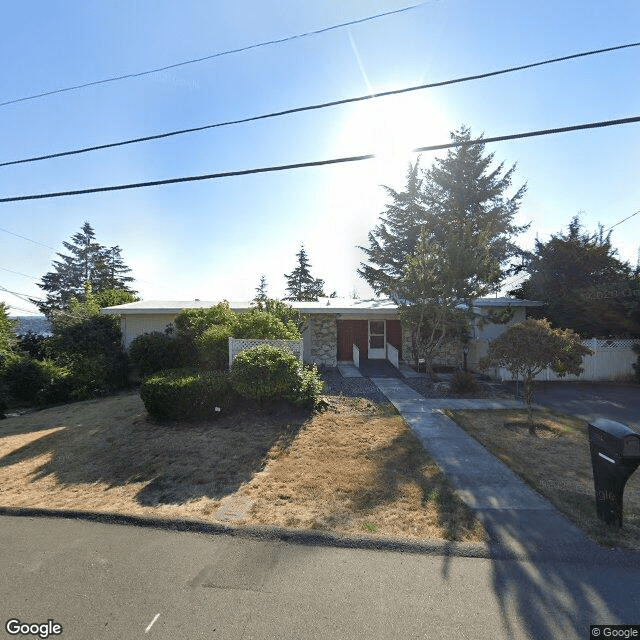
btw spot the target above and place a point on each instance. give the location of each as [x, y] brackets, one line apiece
[37, 324]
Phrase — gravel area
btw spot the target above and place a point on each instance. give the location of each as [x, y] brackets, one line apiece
[336, 385]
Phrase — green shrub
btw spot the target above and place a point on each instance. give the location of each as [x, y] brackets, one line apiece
[264, 326]
[464, 382]
[153, 352]
[187, 394]
[213, 347]
[58, 384]
[270, 374]
[192, 323]
[37, 381]
[266, 373]
[308, 392]
[23, 377]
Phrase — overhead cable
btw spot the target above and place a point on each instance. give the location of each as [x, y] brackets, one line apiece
[17, 235]
[322, 105]
[213, 55]
[319, 163]
[623, 220]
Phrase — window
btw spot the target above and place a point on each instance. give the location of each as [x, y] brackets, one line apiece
[376, 334]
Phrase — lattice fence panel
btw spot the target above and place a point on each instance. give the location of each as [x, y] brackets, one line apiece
[236, 345]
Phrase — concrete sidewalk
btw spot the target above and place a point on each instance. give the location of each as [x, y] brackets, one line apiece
[516, 517]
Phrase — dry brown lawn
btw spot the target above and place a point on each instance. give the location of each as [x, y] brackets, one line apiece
[557, 463]
[355, 468]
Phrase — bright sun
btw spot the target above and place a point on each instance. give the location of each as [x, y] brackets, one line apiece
[391, 128]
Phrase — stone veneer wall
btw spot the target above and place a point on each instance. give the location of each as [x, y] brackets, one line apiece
[323, 334]
[448, 354]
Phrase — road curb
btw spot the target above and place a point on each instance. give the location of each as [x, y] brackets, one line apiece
[610, 557]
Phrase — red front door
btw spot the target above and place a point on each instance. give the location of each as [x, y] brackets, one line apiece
[352, 332]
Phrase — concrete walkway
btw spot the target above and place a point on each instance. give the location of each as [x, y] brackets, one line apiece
[516, 518]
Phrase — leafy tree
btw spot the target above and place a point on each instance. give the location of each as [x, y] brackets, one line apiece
[583, 284]
[87, 261]
[90, 346]
[301, 285]
[427, 301]
[445, 240]
[529, 347]
[114, 297]
[286, 313]
[261, 290]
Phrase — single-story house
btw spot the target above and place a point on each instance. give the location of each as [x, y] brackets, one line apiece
[335, 324]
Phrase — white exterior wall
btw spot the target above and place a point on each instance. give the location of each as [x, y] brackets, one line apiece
[479, 344]
[135, 325]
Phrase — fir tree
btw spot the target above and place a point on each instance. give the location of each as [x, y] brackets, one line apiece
[87, 262]
[458, 208]
[261, 290]
[301, 285]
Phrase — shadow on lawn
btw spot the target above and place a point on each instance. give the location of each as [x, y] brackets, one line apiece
[405, 460]
[178, 462]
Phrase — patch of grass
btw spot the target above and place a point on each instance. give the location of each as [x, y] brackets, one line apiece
[556, 462]
[354, 465]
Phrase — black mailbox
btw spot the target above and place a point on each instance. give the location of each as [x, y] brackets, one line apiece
[615, 455]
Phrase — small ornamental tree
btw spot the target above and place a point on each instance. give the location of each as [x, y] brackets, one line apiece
[529, 347]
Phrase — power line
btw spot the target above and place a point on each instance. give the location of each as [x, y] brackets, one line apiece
[28, 239]
[623, 220]
[213, 55]
[19, 274]
[319, 163]
[322, 105]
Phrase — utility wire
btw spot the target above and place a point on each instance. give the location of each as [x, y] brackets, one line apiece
[322, 105]
[623, 220]
[19, 274]
[213, 55]
[319, 163]
[17, 235]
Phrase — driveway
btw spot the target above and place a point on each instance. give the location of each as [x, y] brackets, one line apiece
[589, 400]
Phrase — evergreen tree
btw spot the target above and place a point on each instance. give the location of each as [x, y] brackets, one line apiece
[87, 262]
[444, 240]
[261, 290]
[301, 285]
[583, 284]
[458, 207]
[395, 238]
[8, 339]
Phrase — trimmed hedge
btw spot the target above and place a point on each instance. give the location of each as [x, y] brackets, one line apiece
[270, 374]
[187, 394]
[265, 373]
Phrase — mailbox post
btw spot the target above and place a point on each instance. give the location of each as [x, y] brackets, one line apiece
[615, 455]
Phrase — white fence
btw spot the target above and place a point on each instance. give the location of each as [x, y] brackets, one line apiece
[611, 360]
[356, 356]
[236, 345]
[393, 355]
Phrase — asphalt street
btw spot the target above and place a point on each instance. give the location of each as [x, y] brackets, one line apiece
[102, 580]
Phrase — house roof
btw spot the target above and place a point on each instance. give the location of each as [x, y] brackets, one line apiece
[373, 306]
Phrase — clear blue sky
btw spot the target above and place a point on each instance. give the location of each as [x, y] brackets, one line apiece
[213, 239]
